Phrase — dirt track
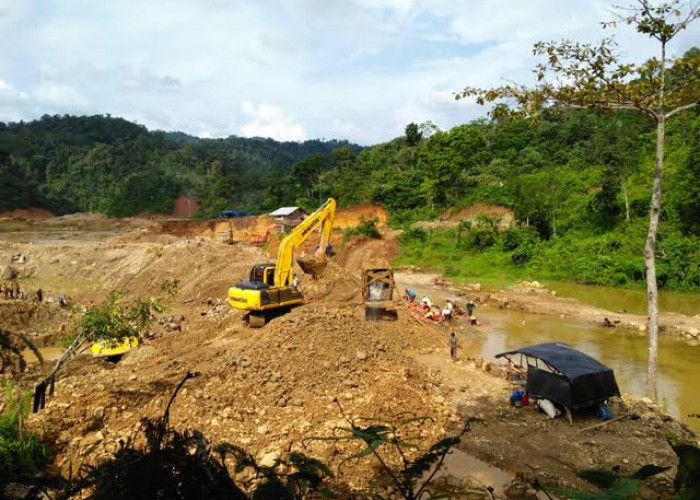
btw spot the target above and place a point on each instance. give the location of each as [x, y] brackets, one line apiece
[269, 389]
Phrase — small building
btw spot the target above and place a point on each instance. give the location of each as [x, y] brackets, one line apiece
[287, 218]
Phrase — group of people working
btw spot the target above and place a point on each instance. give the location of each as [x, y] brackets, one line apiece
[445, 313]
[11, 291]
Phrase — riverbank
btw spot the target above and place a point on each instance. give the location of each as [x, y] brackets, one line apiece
[534, 298]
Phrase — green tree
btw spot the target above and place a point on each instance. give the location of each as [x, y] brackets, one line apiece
[593, 76]
[413, 135]
[688, 198]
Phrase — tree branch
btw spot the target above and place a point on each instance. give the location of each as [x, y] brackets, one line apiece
[680, 109]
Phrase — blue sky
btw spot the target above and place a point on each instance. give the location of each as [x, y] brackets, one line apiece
[287, 69]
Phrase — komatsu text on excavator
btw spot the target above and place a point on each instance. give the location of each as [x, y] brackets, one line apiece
[269, 290]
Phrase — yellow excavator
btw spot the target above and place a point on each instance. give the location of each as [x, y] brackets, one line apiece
[270, 290]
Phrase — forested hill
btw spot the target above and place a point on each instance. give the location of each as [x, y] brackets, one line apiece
[110, 165]
[579, 183]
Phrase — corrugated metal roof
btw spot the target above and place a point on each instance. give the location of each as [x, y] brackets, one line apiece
[284, 211]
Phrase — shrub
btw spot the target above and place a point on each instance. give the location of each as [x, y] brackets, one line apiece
[22, 454]
[414, 234]
[366, 227]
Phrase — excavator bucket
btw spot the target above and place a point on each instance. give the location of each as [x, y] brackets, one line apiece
[313, 265]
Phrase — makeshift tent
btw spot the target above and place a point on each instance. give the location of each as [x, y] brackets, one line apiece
[564, 375]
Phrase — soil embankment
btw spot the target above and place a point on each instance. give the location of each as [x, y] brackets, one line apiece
[269, 389]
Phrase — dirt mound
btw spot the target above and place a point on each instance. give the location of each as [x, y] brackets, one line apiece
[360, 249]
[265, 389]
[27, 213]
[350, 216]
[335, 284]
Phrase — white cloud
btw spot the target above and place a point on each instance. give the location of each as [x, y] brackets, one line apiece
[9, 94]
[357, 69]
[59, 96]
[266, 120]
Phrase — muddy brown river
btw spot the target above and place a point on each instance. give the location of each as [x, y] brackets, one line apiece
[633, 301]
[622, 350]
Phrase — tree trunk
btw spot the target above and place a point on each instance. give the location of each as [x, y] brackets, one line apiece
[650, 260]
[627, 201]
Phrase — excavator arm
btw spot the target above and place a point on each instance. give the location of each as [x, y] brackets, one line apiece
[284, 268]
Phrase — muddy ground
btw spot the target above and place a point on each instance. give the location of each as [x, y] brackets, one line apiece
[270, 389]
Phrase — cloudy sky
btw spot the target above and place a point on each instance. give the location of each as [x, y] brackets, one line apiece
[287, 69]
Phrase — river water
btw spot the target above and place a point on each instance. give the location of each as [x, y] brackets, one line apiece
[622, 350]
[634, 301]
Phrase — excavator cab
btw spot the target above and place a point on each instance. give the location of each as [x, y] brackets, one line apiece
[263, 274]
[261, 277]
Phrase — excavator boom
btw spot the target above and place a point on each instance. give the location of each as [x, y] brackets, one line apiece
[270, 290]
[284, 269]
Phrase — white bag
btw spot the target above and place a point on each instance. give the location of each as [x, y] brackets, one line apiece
[548, 407]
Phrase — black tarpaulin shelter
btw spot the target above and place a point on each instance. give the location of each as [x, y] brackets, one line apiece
[565, 375]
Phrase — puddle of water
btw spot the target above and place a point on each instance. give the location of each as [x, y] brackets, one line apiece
[633, 301]
[462, 465]
[623, 351]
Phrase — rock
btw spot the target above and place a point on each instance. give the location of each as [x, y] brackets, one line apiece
[226, 412]
[269, 459]
[647, 401]
[98, 412]
[64, 437]
[693, 332]
[93, 439]
[361, 355]
[263, 429]
[642, 327]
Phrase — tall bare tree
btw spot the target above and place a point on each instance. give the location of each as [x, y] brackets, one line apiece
[592, 76]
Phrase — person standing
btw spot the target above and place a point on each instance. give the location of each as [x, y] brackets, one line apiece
[453, 347]
[40, 295]
[447, 311]
[470, 307]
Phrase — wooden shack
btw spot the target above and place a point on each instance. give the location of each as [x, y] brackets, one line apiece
[287, 218]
